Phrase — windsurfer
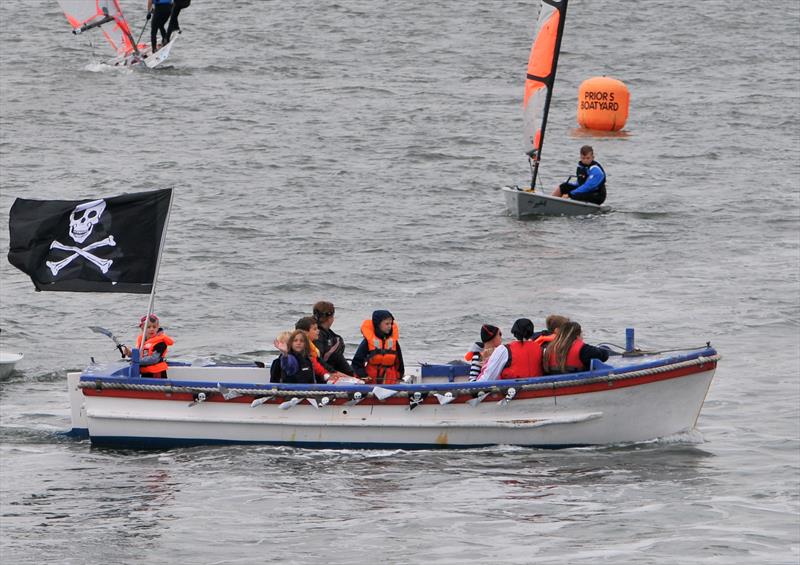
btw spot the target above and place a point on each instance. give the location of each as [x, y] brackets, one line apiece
[591, 184]
[177, 6]
[160, 11]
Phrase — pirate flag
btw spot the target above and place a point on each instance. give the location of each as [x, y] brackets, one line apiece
[105, 245]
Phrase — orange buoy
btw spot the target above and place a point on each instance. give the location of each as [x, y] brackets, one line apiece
[603, 104]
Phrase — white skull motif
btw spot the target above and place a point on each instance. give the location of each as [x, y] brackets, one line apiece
[83, 219]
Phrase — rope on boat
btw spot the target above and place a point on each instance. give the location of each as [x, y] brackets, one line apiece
[608, 378]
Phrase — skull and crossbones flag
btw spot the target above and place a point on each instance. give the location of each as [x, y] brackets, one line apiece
[104, 245]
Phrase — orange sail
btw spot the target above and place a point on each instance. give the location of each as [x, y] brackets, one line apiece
[105, 14]
[541, 76]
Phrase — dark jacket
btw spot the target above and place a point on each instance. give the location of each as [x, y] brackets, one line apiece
[360, 358]
[298, 369]
[331, 352]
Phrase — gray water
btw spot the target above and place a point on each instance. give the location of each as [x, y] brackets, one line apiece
[354, 151]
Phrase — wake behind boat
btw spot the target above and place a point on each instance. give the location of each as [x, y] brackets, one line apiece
[107, 16]
[542, 64]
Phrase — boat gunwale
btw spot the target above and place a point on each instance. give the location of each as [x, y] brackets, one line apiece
[606, 375]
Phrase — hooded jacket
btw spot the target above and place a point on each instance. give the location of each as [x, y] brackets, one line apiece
[378, 358]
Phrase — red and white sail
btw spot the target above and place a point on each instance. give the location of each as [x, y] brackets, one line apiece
[105, 14]
[541, 75]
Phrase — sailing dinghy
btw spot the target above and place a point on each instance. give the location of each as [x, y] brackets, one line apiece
[107, 16]
[542, 63]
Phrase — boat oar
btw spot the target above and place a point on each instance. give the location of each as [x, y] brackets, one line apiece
[107, 333]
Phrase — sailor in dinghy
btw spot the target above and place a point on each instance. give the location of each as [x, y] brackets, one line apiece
[539, 82]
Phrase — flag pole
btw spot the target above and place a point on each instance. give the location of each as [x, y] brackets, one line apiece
[135, 351]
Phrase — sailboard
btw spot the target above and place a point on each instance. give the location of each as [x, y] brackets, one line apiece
[107, 17]
[541, 76]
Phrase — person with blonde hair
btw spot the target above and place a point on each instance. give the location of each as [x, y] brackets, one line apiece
[153, 360]
[568, 353]
[296, 363]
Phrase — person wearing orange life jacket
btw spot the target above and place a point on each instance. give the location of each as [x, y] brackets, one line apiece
[153, 360]
[480, 351]
[378, 359]
[568, 353]
[553, 322]
[519, 359]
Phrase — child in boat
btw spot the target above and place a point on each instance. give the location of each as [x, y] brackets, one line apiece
[153, 354]
[591, 185]
[491, 337]
[281, 344]
[553, 323]
[522, 358]
[311, 327]
[296, 363]
[378, 359]
[329, 343]
[568, 353]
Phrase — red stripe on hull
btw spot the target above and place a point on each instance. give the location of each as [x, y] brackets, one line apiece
[402, 401]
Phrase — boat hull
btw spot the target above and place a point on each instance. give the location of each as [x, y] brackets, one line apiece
[7, 363]
[525, 204]
[145, 56]
[592, 409]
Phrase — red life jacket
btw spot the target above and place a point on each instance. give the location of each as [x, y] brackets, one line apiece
[147, 349]
[382, 356]
[574, 362]
[526, 360]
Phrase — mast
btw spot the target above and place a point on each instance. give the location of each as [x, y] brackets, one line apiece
[136, 350]
[541, 74]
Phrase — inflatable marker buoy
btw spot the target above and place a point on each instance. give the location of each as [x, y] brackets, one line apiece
[603, 104]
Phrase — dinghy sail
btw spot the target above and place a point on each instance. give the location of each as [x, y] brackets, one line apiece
[539, 82]
[84, 15]
[541, 75]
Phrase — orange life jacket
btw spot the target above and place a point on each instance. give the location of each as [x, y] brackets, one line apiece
[526, 360]
[573, 363]
[382, 356]
[147, 349]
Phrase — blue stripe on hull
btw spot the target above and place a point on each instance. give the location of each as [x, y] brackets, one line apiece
[130, 442]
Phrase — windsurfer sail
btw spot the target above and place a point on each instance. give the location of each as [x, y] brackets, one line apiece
[107, 16]
[540, 78]
[84, 15]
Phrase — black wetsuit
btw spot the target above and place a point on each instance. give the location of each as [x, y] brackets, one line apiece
[161, 13]
[177, 6]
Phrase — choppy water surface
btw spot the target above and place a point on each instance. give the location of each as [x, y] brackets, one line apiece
[353, 151]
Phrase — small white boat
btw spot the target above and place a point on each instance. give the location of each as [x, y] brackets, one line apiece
[628, 399]
[524, 203]
[7, 362]
[541, 76]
